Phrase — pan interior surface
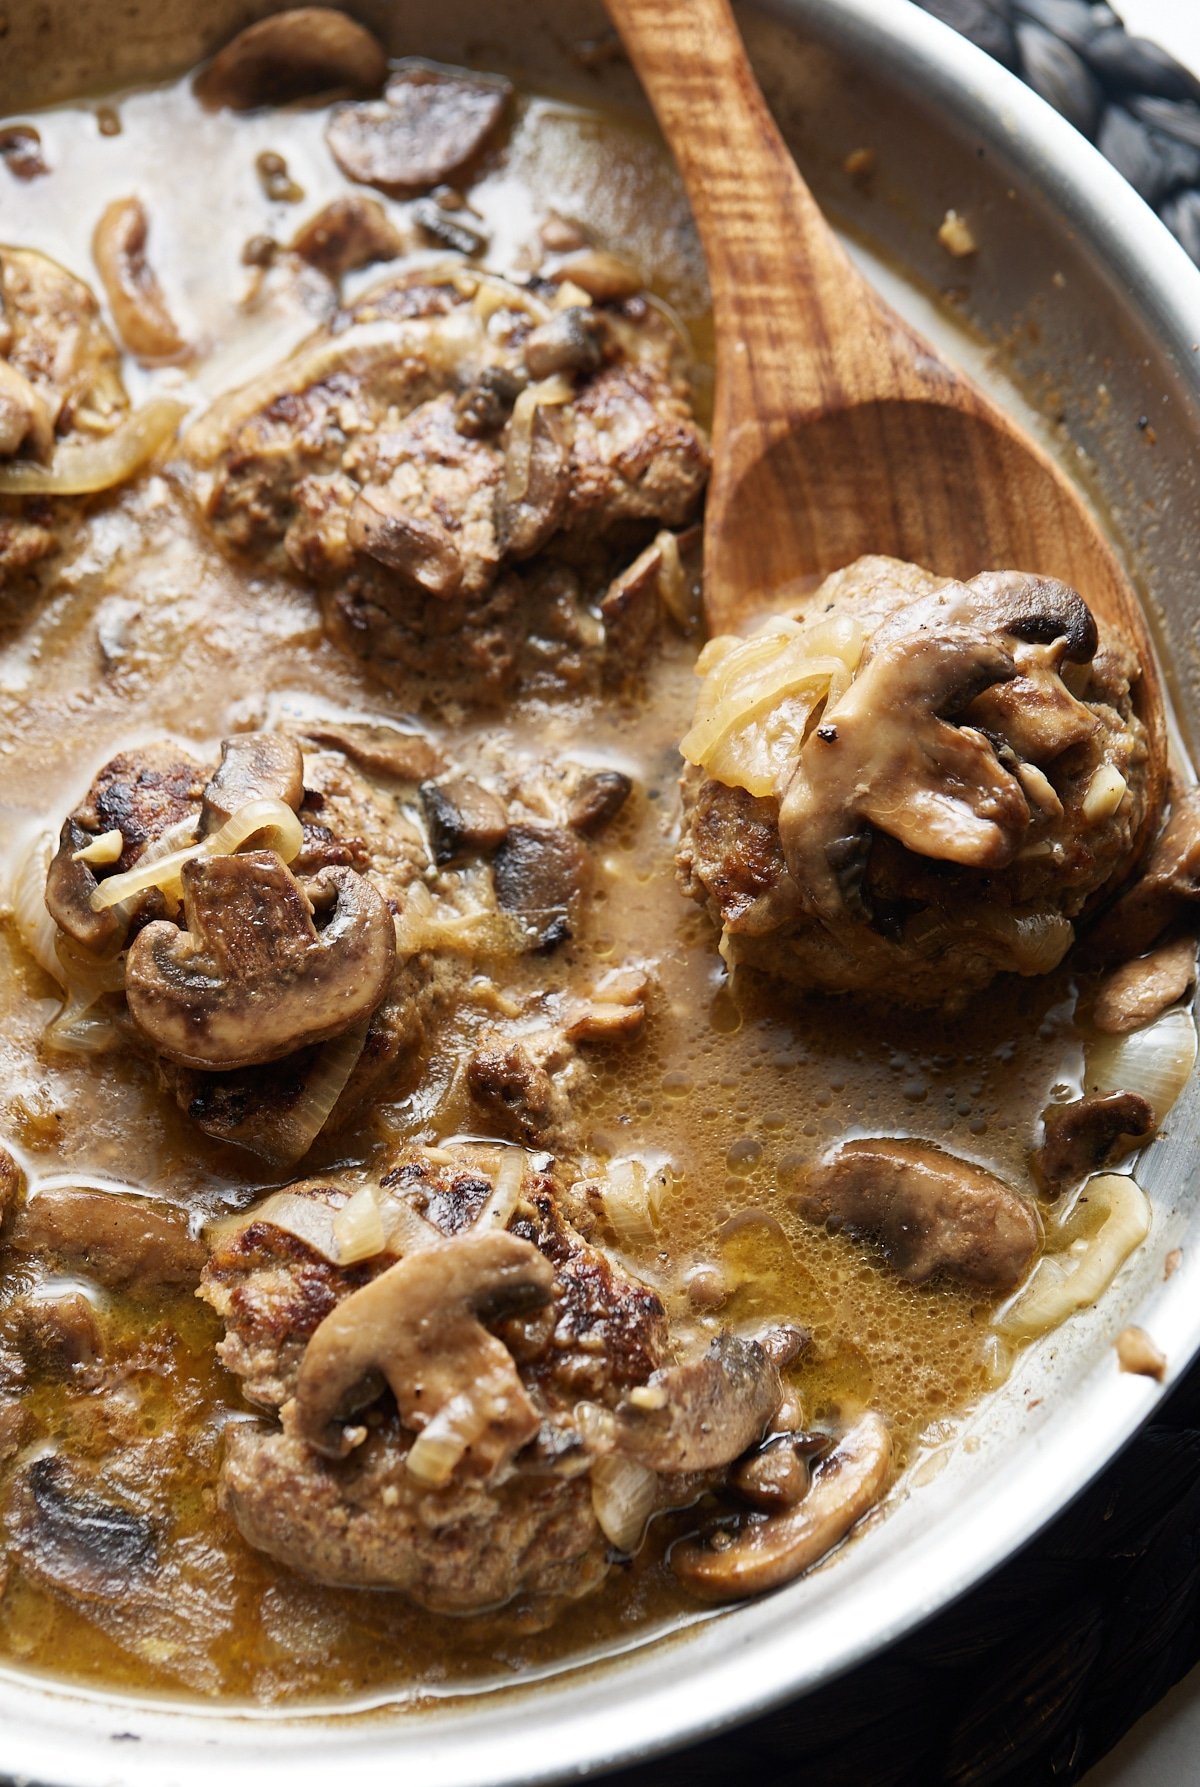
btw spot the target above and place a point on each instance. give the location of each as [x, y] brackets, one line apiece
[1075, 307]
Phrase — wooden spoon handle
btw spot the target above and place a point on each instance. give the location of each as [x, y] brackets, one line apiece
[778, 273]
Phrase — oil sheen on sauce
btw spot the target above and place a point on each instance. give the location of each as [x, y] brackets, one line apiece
[149, 633]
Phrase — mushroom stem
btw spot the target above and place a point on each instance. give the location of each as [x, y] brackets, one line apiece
[767, 1553]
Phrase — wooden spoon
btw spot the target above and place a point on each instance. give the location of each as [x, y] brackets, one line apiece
[838, 430]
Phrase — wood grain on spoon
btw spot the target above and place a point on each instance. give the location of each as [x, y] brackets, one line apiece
[837, 429]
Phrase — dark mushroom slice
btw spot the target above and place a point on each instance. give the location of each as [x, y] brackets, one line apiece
[777, 1475]
[449, 229]
[139, 308]
[765, 1553]
[570, 341]
[1139, 991]
[429, 127]
[1167, 885]
[121, 1242]
[82, 1539]
[254, 766]
[309, 49]
[1089, 1133]
[891, 756]
[541, 874]
[530, 509]
[929, 1211]
[408, 756]
[350, 232]
[701, 1415]
[419, 548]
[252, 978]
[464, 818]
[485, 406]
[596, 800]
[420, 1325]
[70, 884]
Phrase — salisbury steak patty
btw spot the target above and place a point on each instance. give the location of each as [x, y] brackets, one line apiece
[444, 1402]
[913, 784]
[460, 465]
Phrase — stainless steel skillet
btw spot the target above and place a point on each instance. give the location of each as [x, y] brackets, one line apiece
[1097, 312]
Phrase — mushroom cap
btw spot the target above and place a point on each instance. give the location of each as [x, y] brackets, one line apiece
[767, 1553]
[252, 979]
[420, 1324]
[308, 49]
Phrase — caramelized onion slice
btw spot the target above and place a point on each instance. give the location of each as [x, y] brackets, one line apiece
[270, 823]
[80, 468]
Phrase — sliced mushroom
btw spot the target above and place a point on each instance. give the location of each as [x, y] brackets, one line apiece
[698, 1416]
[1139, 991]
[57, 1337]
[252, 979]
[421, 549]
[603, 276]
[464, 818]
[777, 1475]
[614, 1006]
[929, 1211]
[253, 766]
[139, 309]
[80, 1538]
[526, 520]
[420, 1324]
[1168, 883]
[1089, 1133]
[310, 49]
[118, 1241]
[428, 128]
[597, 799]
[541, 874]
[348, 233]
[449, 229]
[888, 755]
[408, 756]
[764, 1554]
[70, 884]
[569, 341]
[485, 406]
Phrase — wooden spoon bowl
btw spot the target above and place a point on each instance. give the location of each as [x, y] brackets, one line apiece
[837, 429]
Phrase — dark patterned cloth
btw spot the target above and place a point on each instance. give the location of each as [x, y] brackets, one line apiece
[1137, 104]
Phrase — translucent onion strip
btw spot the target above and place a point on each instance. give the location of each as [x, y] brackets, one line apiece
[632, 1199]
[437, 1449]
[310, 1219]
[759, 695]
[271, 824]
[1156, 1061]
[623, 1498]
[295, 1130]
[35, 927]
[1063, 1283]
[79, 468]
[358, 1228]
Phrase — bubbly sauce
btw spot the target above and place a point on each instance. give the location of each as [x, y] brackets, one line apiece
[147, 632]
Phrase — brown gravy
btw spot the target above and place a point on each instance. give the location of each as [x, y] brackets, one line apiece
[149, 632]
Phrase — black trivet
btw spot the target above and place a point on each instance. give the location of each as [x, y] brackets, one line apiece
[1138, 105]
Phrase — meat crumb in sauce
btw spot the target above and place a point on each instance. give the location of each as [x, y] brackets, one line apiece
[349, 993]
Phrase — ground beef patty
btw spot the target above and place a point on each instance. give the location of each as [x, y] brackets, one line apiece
[913, 784]
[461, 466]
